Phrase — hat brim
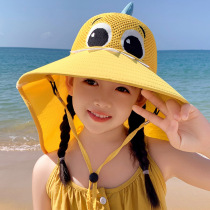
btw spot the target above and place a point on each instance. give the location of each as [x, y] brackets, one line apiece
[46, 109]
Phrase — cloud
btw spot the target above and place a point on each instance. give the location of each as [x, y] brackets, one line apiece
[46, 35]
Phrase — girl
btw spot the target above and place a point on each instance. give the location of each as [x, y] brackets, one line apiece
[90, 110]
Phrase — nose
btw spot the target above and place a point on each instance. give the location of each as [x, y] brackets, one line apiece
[102, 103]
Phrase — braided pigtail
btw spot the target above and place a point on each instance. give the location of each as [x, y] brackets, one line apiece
[65, 136]
[138, 150]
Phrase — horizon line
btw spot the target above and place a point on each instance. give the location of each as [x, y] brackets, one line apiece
[70, 49]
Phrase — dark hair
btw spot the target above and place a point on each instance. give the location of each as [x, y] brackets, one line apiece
[65, 136]
[138, 150]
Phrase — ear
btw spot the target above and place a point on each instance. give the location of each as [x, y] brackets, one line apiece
[69, 85]
[141, 100]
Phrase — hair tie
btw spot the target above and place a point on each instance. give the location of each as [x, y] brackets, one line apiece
[146, 172]
[62, 158]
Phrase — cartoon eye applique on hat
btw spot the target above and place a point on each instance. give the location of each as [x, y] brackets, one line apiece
[99, 35]
[133, 43]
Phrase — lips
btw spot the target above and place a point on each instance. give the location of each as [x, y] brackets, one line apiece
[99, 113]
[98, 116]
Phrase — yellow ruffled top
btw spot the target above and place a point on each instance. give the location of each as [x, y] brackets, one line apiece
[129, 195]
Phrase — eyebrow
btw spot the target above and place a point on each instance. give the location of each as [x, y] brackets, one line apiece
[134, 88]
[96, 20]
[143, 31]
[128, 86]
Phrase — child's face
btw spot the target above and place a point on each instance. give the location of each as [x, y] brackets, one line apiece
[105, 98]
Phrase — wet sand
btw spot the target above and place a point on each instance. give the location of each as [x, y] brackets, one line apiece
[15, 185]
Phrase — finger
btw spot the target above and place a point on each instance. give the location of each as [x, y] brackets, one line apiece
[156, 120]
[160, 104]
[174, 109]
[173, 136]
[185, 111]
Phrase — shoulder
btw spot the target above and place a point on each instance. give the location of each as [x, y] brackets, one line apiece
[164, 155]
[45, 164]
[190, 167]
[41, 172]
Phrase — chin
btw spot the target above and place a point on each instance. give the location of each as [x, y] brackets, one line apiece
[95, 130]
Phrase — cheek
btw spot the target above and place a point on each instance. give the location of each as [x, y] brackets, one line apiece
[77, 99]
[81, 98]
[127, 104]
[125, 109]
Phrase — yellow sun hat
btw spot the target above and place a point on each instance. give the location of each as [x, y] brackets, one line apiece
[115, 47]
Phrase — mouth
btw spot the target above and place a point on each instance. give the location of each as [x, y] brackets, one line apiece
[99, 117]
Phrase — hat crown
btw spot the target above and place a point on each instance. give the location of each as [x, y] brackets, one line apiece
[121, 32]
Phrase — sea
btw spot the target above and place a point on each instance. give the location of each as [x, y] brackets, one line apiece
[188, 71]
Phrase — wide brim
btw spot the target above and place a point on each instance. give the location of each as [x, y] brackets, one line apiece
[46, 109]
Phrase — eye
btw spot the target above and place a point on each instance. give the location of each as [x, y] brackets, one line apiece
[94, 83]
[90, 82]
[99, 35]
[124, 90]
[133, 43]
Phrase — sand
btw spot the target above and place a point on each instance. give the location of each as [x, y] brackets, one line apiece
[15, 179]
[15, 185]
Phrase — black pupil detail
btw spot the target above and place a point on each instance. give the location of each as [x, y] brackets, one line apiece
[133, 46]
[98, 37]
[122, 89]
[92, 83]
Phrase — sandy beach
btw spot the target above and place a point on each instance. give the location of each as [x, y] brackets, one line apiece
[15, 186]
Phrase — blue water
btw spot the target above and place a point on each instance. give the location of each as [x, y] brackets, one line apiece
[187, 71]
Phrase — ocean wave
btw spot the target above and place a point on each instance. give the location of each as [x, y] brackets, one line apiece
[19, 143]
[24, 138]
[24, 147]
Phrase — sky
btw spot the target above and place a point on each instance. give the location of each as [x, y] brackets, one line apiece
[176, 24]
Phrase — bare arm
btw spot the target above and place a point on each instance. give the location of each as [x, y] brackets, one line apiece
[41, 173]
[187, 166]
[188, 132]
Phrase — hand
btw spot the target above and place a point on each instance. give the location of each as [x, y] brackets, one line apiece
[187, 129]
